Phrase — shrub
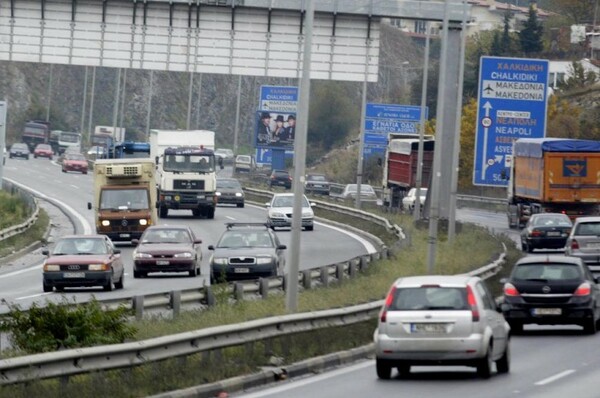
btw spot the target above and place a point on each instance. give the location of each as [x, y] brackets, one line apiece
[65, 325]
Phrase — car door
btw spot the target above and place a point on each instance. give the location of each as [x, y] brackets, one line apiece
[595, 289]
[196, 246]
[280, 252]
[117, 261]
[494, 319]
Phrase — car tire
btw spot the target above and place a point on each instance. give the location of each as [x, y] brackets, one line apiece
[163, 212]
[484, 365]
[35, 156]
[310, 228]
[240, 205]
[47, 287]
[120, 284]
[137, 274]
[109, 286]
[85, 172]
[384, 369]
[403, 370]
[589, 327]
[516, 327]
[196, 212]
[59, 288]
[503, 364]
[192, 273]
[529, 248]
[210, 213]
[63, 170]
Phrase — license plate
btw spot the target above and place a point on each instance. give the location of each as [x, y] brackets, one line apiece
[241, 270]
[547, 311]
[595, 245]
[436, 328]
[200, 197]
[553, 233]
[124, 235]
[162, 262]
[74, 275]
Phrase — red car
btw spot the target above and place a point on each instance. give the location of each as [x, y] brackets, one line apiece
[83, 260]
[75, 162]
[43, 151]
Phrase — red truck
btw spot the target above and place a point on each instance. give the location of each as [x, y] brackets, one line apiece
[400, 168]
[558, 175]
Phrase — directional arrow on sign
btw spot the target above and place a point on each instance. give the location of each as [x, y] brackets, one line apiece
[498, 158]
[487, 106]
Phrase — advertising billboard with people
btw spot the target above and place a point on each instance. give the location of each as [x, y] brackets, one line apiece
[275, 130]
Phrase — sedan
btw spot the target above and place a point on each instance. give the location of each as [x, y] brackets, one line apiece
[163, 248]
[74, 162]
[546, 231]
[280, 208]
[229, 191]
[551, 290]
[19, 150]
[441, 320]
[246, 251]
[584, 242]
[316, 184]
[83, 260]
[43, 151]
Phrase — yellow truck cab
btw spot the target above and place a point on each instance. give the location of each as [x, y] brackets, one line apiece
[124, 197]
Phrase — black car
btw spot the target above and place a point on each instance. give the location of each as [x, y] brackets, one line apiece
[551, 290]
[19, 150]
[546, 231]
[280, 178]
[229, 191]
[246, 251]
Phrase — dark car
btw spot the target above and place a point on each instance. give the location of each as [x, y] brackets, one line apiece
[546, 231]
[167, 248]
[19, 150]
[229, 191]
[316, 184]
[83, 260]
[246, 251]
[74, 162]
[43, 151]
[551, 290]
[280, 178]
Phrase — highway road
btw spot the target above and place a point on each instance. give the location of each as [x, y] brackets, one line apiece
[325, 245]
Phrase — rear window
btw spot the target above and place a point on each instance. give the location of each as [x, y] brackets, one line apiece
[546, 272]
[433, 298]
[588, 228]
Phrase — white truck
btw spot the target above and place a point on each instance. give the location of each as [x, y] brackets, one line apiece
[186, 176]
[107, 136]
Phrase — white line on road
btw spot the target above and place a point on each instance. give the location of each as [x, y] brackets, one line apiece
[229, 217]
[368, 245]
[555, 377]
[33, 295]
[74, 186]
[21, 271]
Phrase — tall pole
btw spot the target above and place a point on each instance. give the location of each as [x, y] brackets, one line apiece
[122, 112]
[419, 179]
[149, 105]
[236, 132]
[300, 163]
[49, 95]
[190, 96]
[116, 104]
[456, 151]
[85, 80]
[91, 112]
[199, 101]
[434, 190]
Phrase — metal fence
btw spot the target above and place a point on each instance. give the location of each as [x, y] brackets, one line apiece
[31, 204]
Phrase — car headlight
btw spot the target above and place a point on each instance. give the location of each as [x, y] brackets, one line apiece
[306, 214]
[143, 221]
[50, 268]
[277, 214]
[264, 260]
[238, 194]
[218, 193]
[183, 255]
[105, 223]
[98, 267]
[219, 260]
[141, 255]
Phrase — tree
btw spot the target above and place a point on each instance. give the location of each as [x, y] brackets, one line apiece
[578, 11]
[506, 40]
[578, 78]
[467, 144]
[530, 36]
[562, 119]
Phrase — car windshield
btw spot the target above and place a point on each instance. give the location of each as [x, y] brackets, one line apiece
[546, 272]
[588, 228]
[165, 235]
[75, 156]
[44, 147]
[19, 146]
[363, 188]
[287, 201]
[229, 184]
[80, 246]
[123, 199]
[243, 159]
[549, 221]
[189, 163]
[316, 178]
[429, 298]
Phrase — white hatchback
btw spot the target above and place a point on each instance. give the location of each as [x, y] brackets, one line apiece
[441, 320]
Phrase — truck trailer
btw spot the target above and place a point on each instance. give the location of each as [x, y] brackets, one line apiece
[557, 175]
[185, 171]
[124, 197]
[400, 168]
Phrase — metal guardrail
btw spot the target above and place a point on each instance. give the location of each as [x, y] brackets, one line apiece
[481, 199]
[78, 361]
[32, 204]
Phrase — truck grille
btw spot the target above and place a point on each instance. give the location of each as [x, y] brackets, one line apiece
[188, 184]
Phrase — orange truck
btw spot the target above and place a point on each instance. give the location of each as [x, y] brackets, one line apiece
[558, 175]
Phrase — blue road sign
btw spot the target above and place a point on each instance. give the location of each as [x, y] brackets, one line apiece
[382, 119]
[512, 104]
[282, 99]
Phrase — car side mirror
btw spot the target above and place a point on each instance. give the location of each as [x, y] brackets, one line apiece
[313, 204]
[211, 247]
[281, 247]
[596, 278]
[135, 242]
[117, 251]
[221, 163]
[197, 241]
[503, 280]
[89, 206]
[268, 204]
[45, 252]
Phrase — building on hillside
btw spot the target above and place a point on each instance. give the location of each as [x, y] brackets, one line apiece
[561, 70]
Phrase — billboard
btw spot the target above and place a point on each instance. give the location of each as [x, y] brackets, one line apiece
[275, 130]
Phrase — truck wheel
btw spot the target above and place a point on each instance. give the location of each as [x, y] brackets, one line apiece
[210, 213]
[196, 212]
[163, 212]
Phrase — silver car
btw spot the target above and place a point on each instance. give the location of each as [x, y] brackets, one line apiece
[584, 242]
[441, 320]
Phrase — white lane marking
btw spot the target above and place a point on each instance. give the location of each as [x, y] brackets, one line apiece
[229, 217]
[21, 271]
[33, 295]
[87, 229]
[74, 186]
[368, 245]
[555, 377]
[294, 384]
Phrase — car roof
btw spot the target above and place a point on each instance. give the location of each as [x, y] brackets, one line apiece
[165, 226]
[90, 236]
[549, 258]
[587, 219]
[442, 280]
